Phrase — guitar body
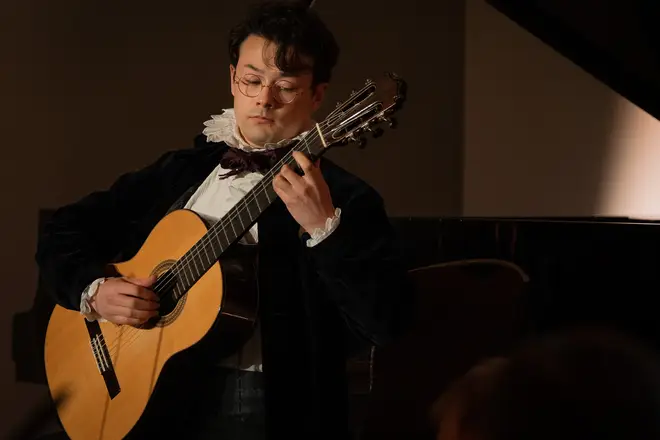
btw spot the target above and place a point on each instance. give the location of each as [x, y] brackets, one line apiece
[107, 406]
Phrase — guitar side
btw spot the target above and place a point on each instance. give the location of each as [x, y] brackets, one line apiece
[107, 406]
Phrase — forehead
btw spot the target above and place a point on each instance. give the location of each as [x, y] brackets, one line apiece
[257, 50]
[258, 53]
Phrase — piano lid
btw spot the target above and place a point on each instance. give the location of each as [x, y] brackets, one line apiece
[616, 41]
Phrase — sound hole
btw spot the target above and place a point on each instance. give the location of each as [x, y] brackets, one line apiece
[170, 308]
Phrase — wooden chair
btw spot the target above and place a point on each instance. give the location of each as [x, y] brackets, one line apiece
[466, 311]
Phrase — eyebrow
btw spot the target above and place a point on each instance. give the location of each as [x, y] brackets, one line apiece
[282, 74]
[250, 66]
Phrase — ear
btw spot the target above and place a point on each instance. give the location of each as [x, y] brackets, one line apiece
[318, 95]
[232, 84]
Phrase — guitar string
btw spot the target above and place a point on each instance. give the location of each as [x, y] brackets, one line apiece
[334, 116]
[114, 345]
[215, 231]
[132, 331]
[331, 119]
[235, 213]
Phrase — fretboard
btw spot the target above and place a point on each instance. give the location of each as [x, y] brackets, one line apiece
[238, 220]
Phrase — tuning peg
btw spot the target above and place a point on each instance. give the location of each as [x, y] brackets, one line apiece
[392, 122]
[368, 82]
[339, 103]
[361, 141]
[353, 92]
[377, 132]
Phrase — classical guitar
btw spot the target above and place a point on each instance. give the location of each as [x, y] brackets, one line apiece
[109, 371]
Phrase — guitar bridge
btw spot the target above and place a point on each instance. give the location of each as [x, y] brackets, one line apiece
[102, 358]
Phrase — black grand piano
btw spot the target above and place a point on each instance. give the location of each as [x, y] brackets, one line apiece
[578, 270]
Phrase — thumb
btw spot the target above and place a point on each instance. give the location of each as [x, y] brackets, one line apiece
[144, 282]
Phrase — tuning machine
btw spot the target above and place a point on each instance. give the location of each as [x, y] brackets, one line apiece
[392, 122]
[359, 140]
[375, 132]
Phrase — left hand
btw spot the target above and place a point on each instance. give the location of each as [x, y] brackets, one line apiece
[307, 197]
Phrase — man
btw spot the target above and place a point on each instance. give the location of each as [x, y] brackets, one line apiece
[329, 273]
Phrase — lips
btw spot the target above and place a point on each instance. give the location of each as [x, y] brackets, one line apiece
[261, 119]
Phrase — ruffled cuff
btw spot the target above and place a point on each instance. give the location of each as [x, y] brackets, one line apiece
[86, 299]
[318, 235]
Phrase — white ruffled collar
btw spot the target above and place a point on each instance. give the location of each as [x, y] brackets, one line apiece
[223, 128]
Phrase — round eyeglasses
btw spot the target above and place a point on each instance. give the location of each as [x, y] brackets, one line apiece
[251, 86]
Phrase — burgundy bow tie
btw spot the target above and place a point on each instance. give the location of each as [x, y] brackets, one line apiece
[239, 161]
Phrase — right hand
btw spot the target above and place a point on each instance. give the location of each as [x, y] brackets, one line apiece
[126, 300]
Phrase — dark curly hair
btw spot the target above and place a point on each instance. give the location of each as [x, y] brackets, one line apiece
[300, 35]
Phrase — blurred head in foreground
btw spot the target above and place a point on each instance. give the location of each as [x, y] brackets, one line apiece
[580, 384]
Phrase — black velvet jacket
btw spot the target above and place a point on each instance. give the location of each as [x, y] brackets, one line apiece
[316, 303]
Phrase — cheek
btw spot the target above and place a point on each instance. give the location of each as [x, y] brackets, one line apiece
[299, 111]
[241, 103]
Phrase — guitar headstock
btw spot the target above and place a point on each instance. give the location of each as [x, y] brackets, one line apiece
[365, 111]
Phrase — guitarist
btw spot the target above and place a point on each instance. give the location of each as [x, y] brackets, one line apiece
[329, 274]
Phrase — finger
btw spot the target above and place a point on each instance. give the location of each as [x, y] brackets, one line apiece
[123, 320]
[303, 161]
[280, 182]
[292, 178]
[128, 312]
[144, 282]
[131, 289]
[133, 302]
[282, 188]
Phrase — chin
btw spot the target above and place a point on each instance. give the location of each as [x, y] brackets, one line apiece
[263, 139]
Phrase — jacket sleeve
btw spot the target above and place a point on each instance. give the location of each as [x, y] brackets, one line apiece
[360, 265]
[82, 238]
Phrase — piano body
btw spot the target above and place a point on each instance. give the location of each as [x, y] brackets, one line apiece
[581, 270]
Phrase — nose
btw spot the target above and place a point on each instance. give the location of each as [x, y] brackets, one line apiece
[265, 97]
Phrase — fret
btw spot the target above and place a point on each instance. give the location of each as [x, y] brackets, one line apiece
[304, 141]
[219, 237]
[240, 219]
[182, 274]
[226, 236]
[206, 251]
[231, 222]
[189, 281]
[249, 213]
[194, 258]
[262, 200]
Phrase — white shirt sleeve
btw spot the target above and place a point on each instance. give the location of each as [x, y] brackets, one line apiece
[86, 298]
[321, 234]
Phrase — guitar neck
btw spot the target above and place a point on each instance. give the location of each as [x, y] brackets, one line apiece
[241, 217]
